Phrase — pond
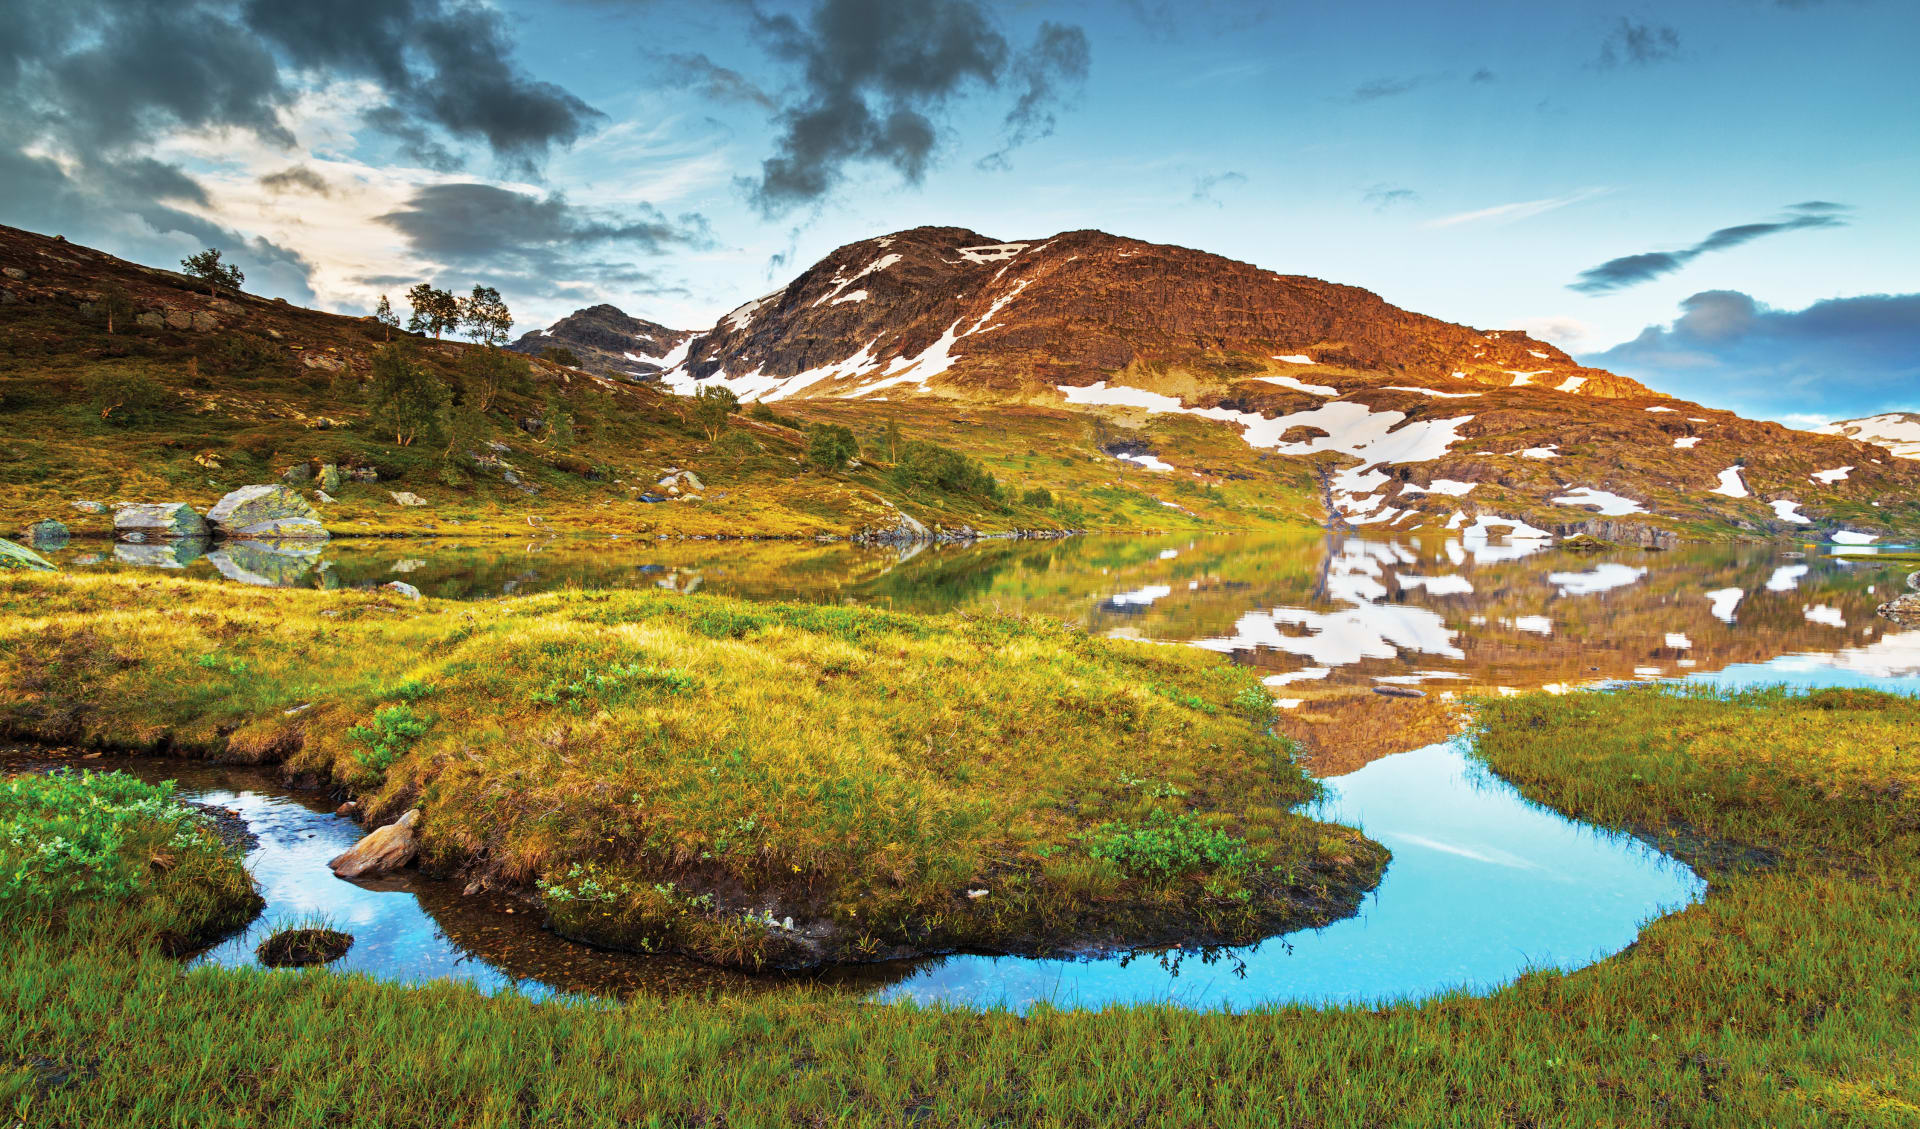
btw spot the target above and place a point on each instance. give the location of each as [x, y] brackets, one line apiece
[1483, 885]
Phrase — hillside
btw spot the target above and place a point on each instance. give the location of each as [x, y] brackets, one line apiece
[1409, 422]
[1104, 383]
[123, 383]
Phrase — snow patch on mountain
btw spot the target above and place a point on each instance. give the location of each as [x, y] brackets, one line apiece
[1610, 504]
[1731, 484]
[1300, 386]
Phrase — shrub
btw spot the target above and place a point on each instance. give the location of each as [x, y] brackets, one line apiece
[125, 399]
[1039, 498]
[737, 444]
[393, 732]
[830, 446]
[65, 837]
[560, 355]
[928, 464]
[1167, 846]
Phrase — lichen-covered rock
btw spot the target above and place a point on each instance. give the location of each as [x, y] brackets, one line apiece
[266, 512]
[48, 534]
[402, 588]
[19, 558]
[90, 507]
[330, 477]
[157, 521]
[389, 848]
[407, 498]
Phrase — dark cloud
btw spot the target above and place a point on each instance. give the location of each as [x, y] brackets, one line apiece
[717, 82]
[1837, 359]
[1639, 45]
[876, 80]
[1384, 196]
[1631, 270]
[536, 244]
[297, 178]
[1376, 89]
[1203, 186]
[95, 81]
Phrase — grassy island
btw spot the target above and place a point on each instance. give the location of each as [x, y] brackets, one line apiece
[754, 785]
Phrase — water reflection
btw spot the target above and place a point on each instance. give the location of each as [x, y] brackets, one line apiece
[1483, 887]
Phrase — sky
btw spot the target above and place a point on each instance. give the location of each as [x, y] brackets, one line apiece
[1713, 196]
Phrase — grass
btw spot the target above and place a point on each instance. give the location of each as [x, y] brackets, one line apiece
[689, 774]
[1787, 998]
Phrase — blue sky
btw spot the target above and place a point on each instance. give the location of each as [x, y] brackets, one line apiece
[1471, 161]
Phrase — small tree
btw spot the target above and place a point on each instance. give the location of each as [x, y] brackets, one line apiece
[406, 399]
[558, 420]
[434, 311]
[483, 374]
[484, 317]
[389, 321]
[830, 446]
[207, 267]
[114, 304]
[893, 440]
[712, 406]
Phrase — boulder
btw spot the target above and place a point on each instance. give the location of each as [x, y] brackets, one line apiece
[266, 512]
[323, 497]
[389, 848]
[402, 588]
[407, 498]
[157, 521]
[298, 474]
[330, 477]
[48, 534]
[90, 507]
[1904, 611]
[19, 558]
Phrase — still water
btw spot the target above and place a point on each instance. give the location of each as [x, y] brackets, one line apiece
[1483, 885]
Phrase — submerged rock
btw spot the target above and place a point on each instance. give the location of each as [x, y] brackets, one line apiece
[164, 521]
[389, 848]
[1905, 610]
[274, 512]
[48, 534]
[19, 558]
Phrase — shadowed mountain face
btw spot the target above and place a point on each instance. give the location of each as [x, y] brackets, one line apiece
[608, 341]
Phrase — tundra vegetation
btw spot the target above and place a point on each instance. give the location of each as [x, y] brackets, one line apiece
[1786, 998]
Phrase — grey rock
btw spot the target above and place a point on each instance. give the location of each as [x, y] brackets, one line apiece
[323, 497]
[90, 507]
[407, 498]
[19, 558]
[364, 474]
[158, 521]
[298, 474]
[48, 534]
[1904, 611]
[1399, 692]
[330, 477]
[266, 513]
[402, 588]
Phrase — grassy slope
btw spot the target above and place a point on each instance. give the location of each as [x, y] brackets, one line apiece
[1786, 999]
[855, 770]
[272, 384]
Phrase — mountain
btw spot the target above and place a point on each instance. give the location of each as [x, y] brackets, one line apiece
[1408, 422]
[609, 342]
[1898, 432]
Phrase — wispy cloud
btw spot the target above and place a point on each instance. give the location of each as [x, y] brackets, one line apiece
[1519, 209]
[1639, 45]
[1384, 196]
[1203, 186]
[1632, 270]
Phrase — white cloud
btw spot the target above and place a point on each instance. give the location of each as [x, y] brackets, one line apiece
[1519, 209]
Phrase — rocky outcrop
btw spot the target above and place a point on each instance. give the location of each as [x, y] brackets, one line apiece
[273, 513]
[158, 521]
[1630, 533]
[19, 558]
[389, 848]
